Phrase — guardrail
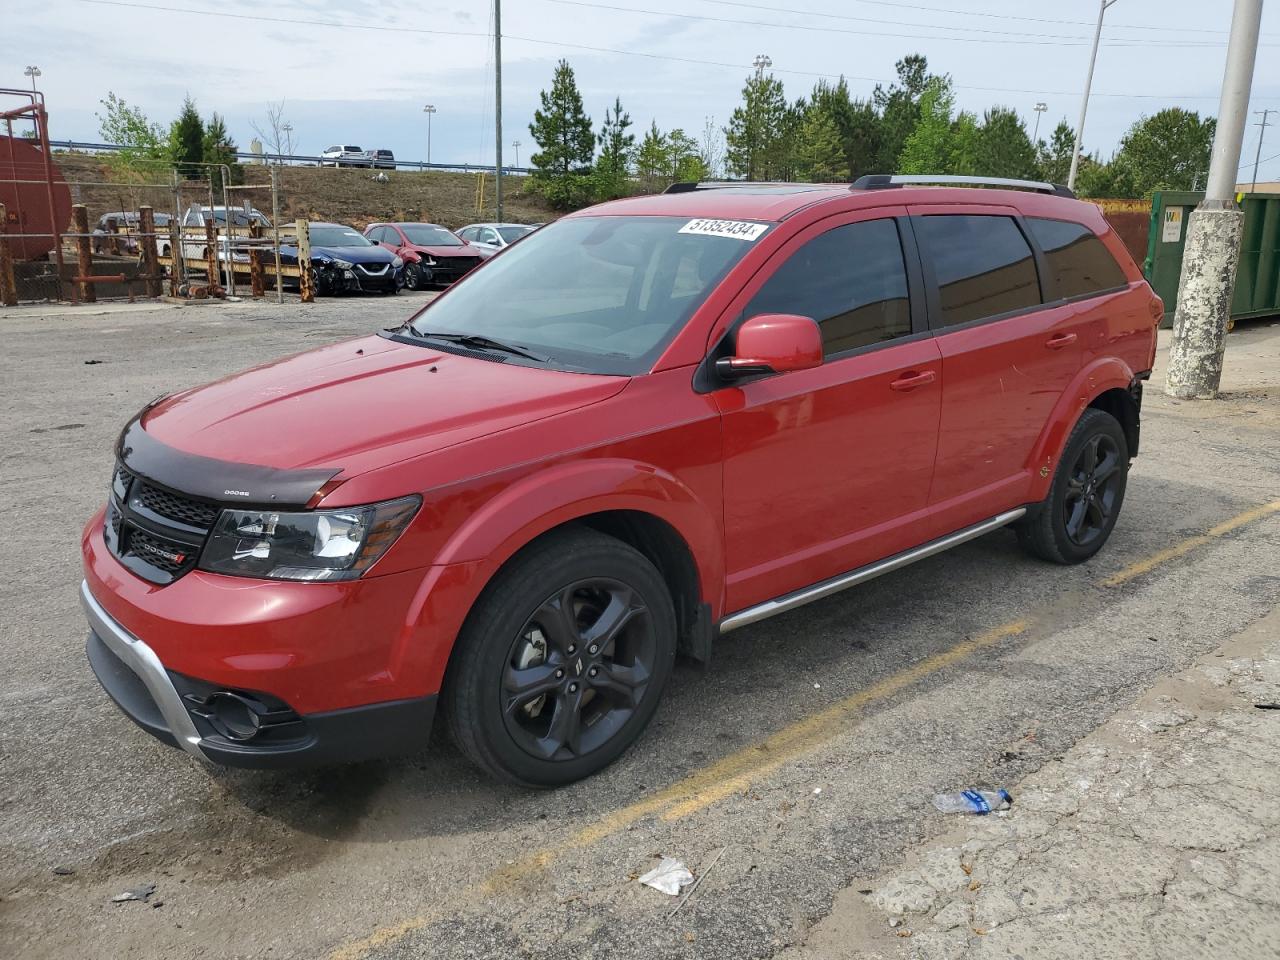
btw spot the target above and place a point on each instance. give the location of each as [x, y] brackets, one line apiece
[304, 160]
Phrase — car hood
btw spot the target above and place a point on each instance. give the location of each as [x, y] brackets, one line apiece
[354, 254]
[364, 404]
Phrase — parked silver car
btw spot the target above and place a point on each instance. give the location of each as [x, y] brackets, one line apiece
[344, 155]
[492, 237]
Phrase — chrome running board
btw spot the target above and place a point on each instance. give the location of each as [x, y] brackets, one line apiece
[826, 588]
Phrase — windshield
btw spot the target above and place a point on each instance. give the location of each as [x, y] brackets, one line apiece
[512, 234]
[337, 237]
[430, 236]
[599, 294]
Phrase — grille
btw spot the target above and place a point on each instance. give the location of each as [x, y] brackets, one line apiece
[194, 513]
[171, 558]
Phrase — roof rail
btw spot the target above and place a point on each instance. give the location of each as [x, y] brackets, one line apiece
[690, 186]
[884, 181]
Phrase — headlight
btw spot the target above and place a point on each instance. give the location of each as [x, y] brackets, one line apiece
[429, 261]
[336, 544]
[397, 263]
[341, 264]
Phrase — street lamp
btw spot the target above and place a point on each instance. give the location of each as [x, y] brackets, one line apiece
[1039, 108]
[763, 62]
[1084, 102]
[429, 109]
[516, 144]
[32, 72]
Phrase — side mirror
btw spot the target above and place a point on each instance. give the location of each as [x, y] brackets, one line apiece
[773, 343]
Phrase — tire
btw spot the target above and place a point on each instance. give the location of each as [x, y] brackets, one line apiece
[1086, 495]
[413, 276]
[580, 705]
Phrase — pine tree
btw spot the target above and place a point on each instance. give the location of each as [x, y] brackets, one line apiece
[616, 147]
[1004, 149]
[565, 139]
[653, 160]
[900, 108]
[820, 153]
[218, 148]
[684, 158]
[929, 148]
[1054, 158]
[965, 145]
[755, 139]
[186, 139]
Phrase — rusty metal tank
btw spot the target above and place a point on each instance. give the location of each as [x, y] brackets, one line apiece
[25, 193]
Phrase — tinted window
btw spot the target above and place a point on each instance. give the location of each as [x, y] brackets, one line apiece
[852, 280]
[1079, 262]
[983, 266]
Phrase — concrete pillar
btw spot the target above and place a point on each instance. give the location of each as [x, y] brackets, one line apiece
[1204, 302]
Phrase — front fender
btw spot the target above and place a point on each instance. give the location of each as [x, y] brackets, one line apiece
[1093, 380]
[549, 498]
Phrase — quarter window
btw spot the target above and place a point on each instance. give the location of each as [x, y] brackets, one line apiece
[851, 279]
[1079, 263]
[982, 264]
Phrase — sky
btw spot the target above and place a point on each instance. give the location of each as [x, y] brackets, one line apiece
[679, 62]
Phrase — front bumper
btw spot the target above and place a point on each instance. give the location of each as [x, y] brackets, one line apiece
[169, 707]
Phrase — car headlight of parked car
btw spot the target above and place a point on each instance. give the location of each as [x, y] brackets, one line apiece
[341, 264]
[339, 544]
[397, 262]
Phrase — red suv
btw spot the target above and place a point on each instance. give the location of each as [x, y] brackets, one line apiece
[650, 423]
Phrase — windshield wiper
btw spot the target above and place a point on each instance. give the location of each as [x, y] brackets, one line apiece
[477, 342]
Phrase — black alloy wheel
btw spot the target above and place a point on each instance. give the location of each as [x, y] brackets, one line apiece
[1086, 494]
[1092, 490]
[578, 669]
[562, 660]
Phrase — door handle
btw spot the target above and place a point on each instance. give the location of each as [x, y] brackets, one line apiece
[909, 381]
[1060, 340]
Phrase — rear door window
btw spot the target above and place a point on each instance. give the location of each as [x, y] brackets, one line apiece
[851, 279]
[983, 266]
[1079, 263]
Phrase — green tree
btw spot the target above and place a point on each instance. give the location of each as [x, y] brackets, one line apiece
[218, 148]
[186, 140]
[899, 108]
[756, 139]
[966, 146]
[142, 142]
[653, 160]
[616, 147]
[1167, 151]
[1098, 180]
[685, 158]
[1004, 149]
[820, 152]
[1054, 157]
[565, 140]
[862, 140]
[929, 148]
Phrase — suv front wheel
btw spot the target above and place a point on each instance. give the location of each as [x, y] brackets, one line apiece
[1084, 501]
[562, 661]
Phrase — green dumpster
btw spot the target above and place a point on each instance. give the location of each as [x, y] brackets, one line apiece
[1257, 292]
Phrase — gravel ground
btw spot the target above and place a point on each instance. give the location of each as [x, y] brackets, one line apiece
[804, 757]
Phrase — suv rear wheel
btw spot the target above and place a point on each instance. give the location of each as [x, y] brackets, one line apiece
[562, 661]
[1077, 517]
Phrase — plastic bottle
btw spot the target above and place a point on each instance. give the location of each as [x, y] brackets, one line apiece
[973, 801]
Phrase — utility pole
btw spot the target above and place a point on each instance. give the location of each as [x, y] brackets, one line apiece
[32, 72]
[1261, 134]
[1084, 102]
[1040, 108]
[1214, 229]
[497, 112]
[430, 111]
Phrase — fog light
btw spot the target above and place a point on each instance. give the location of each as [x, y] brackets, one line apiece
[234, 716]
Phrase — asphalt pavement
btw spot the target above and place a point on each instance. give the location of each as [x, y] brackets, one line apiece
[800, 763]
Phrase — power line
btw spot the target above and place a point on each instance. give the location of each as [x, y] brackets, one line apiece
[560, 44]
[1037, 39]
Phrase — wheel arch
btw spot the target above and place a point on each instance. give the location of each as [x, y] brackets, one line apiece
[1099, 384]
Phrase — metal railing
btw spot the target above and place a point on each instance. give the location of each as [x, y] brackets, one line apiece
[305, 160]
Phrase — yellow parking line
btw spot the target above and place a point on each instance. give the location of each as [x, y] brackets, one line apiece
[1191, 543]
[736, 771]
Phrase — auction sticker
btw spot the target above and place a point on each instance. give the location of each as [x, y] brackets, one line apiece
[733, 229]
